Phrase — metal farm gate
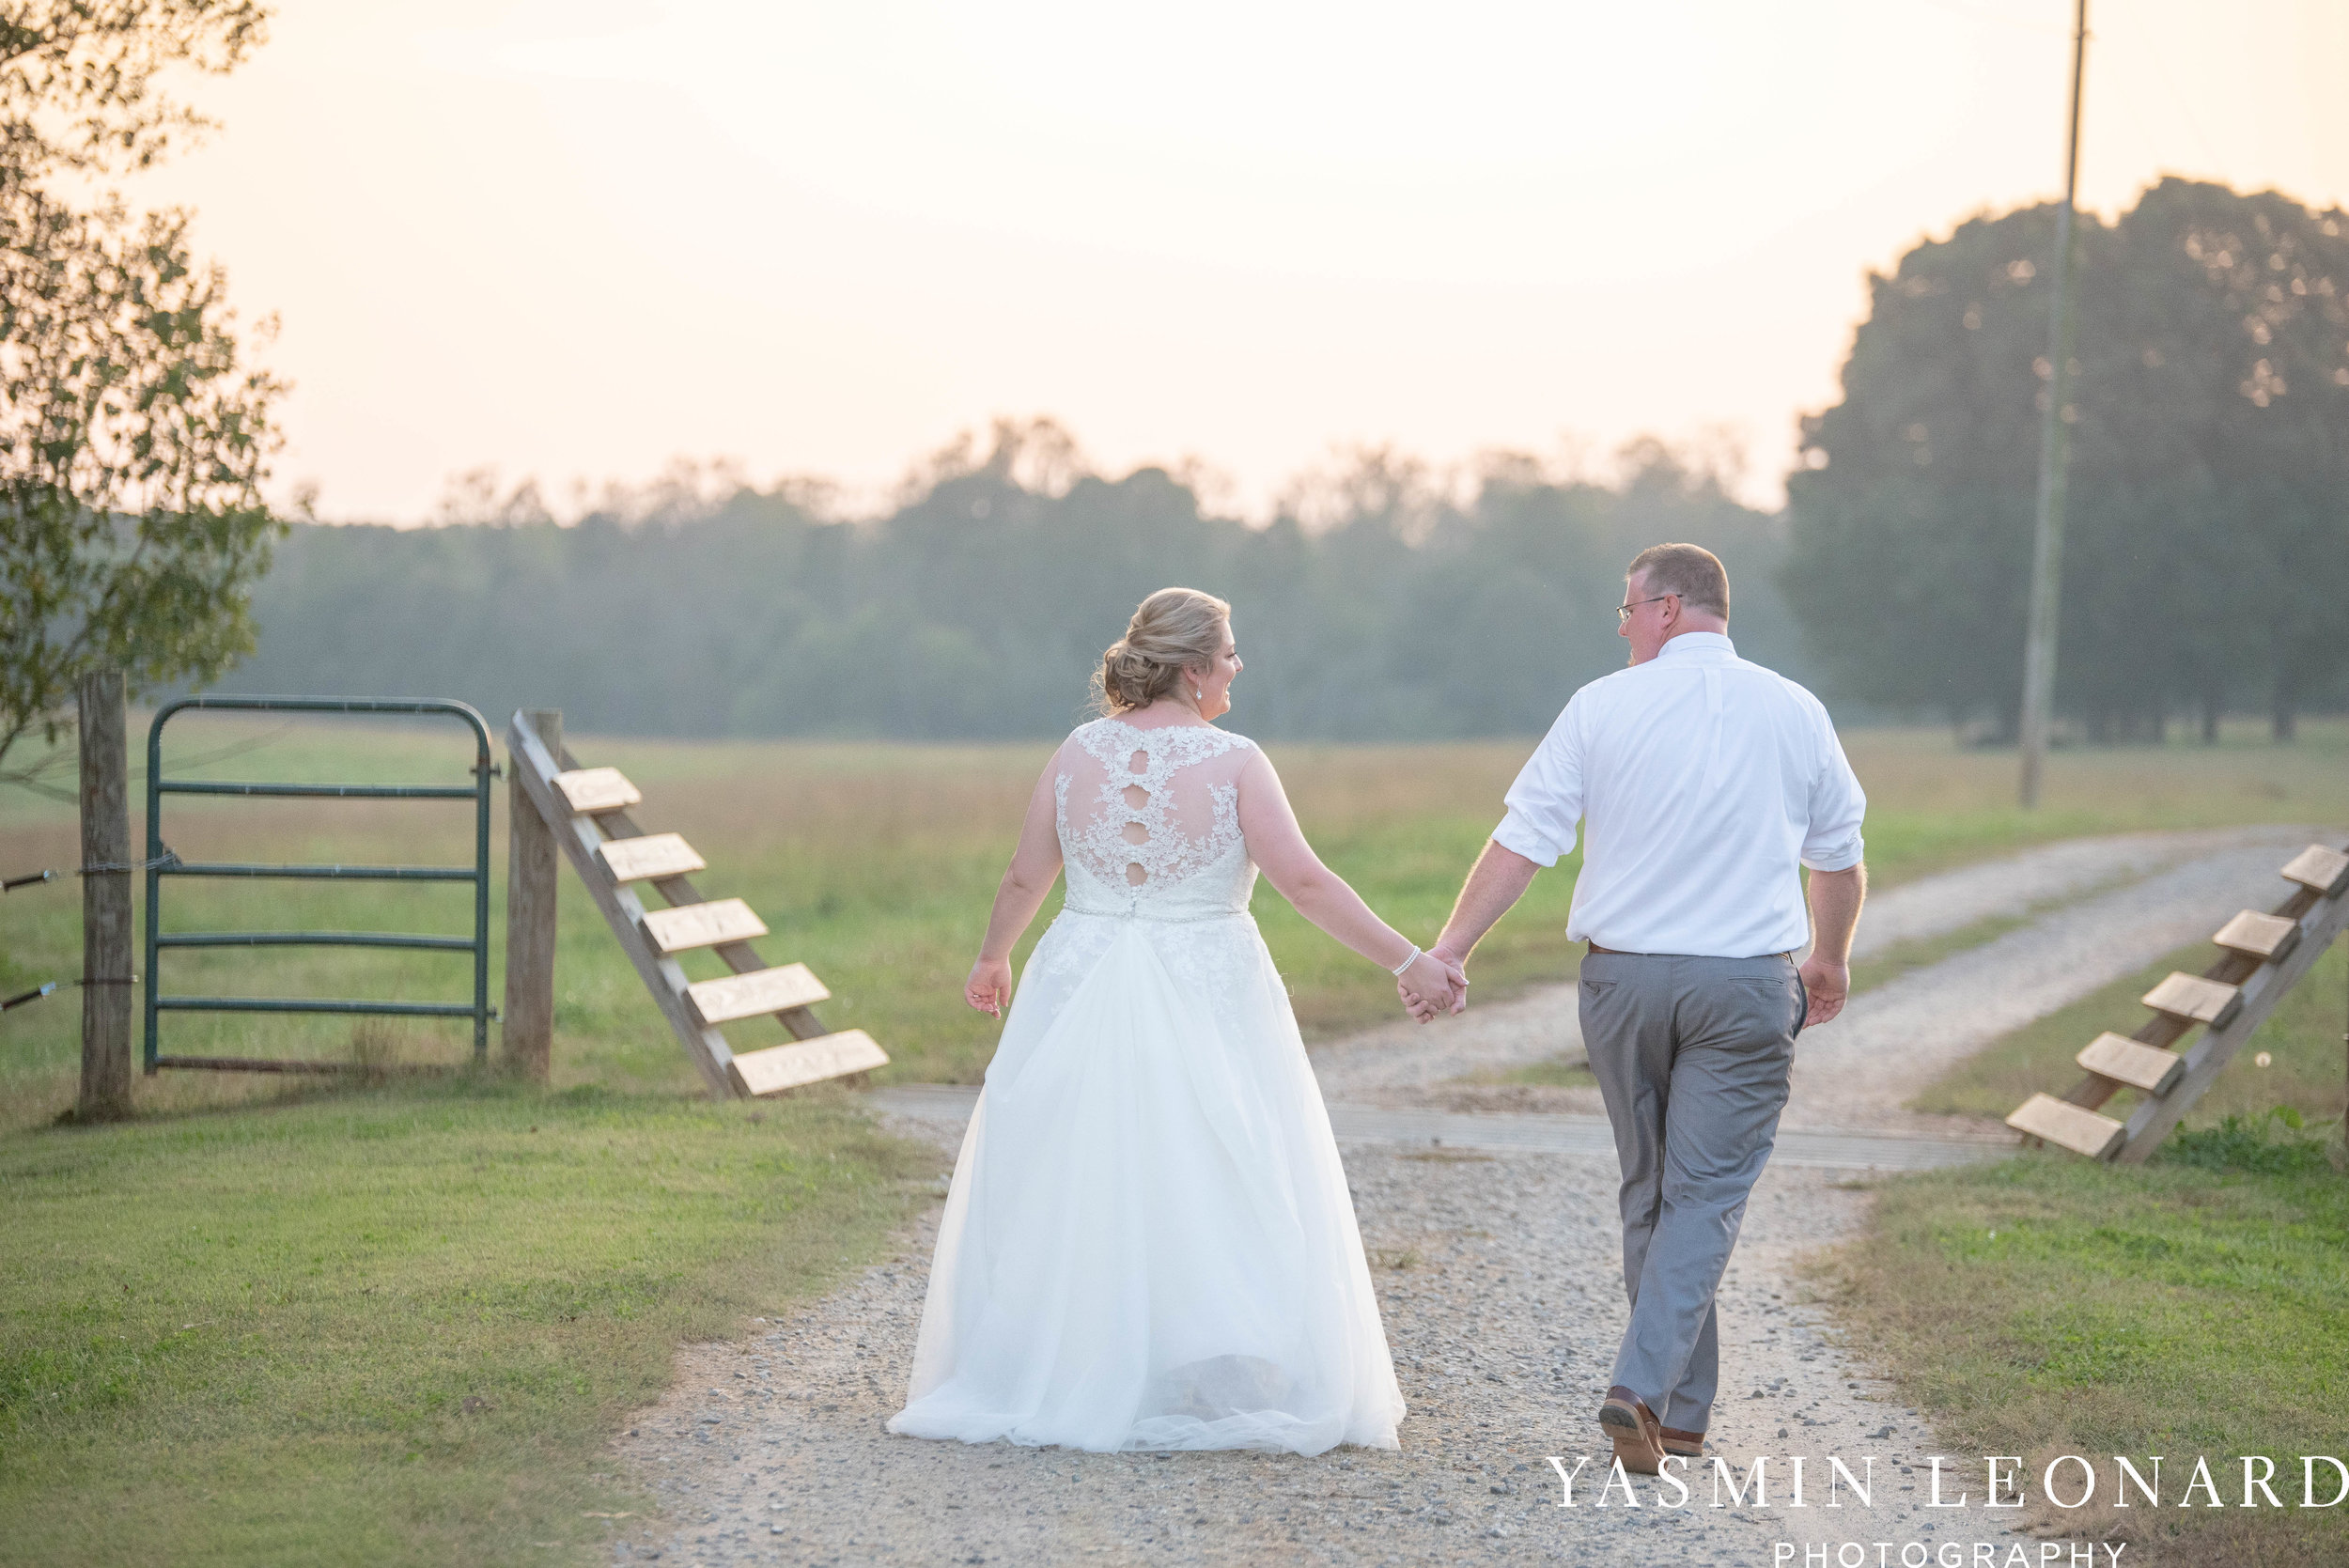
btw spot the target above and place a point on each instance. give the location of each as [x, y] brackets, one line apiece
[161, 863]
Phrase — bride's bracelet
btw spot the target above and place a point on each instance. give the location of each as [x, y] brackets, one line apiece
[1410, 958]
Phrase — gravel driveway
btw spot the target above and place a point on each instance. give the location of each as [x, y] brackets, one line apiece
[1499, 1281]
[1498, 1274]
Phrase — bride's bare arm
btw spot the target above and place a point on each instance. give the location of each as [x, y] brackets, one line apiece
[1026, 880]
[1278, 847]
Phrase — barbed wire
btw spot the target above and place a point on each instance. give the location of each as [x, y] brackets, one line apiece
[169, 857]
[96, 868]
[49, 987]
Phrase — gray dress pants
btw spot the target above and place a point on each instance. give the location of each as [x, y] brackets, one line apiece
[1692, 1056]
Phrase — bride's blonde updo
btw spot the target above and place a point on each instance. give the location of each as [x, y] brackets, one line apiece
[1174, 629]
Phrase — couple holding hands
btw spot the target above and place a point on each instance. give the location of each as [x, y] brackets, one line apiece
[1149, 1242]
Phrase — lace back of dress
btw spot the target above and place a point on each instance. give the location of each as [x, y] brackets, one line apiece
[1143, 810]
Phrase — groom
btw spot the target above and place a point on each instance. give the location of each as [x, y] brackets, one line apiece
[1700, 782]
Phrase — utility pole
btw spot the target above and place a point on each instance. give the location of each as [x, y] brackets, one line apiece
[2055, 450]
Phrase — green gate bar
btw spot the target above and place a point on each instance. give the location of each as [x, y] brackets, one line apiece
[161, 862]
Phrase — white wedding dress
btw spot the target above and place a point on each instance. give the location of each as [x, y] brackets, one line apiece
[1149, 1242]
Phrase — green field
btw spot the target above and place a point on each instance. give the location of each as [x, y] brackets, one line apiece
[875, 865]
[297, 1323]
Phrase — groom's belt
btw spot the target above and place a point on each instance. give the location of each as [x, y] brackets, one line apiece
[1619, 953]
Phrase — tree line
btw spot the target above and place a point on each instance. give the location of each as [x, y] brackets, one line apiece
[1375, 608]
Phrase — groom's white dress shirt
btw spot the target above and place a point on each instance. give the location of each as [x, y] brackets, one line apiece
[1700, 782]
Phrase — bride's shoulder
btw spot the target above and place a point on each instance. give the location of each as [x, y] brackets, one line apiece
[1112, 736]
[1096, 737]
[1233, 753]
[1203, 741]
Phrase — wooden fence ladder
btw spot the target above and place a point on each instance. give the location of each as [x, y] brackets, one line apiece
[584, 810]
[2260, 957]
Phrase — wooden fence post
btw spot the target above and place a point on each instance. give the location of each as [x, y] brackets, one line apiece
[532, 863]
[106, 971]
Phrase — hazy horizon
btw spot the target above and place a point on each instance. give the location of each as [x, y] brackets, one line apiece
[570, 242]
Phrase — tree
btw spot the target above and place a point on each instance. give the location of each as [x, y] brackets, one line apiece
[133, 442]
[1912, 512]
[1402, 604]
[2231, 380]
[2209, 527]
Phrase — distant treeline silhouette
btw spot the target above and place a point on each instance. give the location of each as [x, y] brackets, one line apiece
[979, 608]
[2204, 571]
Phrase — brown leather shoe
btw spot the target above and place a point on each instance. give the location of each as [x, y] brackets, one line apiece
[1687, 1444]
[1633, 1430]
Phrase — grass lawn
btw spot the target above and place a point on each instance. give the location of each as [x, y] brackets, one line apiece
[392, 1328]
[2047, 1305]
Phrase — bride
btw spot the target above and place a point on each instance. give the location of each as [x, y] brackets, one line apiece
[1150, 1242]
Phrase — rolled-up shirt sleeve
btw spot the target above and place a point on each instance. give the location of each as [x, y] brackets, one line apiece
[1837, 805]
[1546, 801]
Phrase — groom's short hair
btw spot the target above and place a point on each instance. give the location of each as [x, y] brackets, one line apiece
[1692, 571]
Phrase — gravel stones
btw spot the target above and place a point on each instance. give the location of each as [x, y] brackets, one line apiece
[1499, 1281]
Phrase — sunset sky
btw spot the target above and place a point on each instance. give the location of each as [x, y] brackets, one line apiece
[574, 240]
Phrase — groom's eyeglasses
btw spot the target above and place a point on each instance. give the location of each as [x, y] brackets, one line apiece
[1623, 612]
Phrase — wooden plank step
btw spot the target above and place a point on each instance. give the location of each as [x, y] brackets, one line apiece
[2326, 870]
[2266, 938]
[637, 859]
[534, 769]
[2071, 1127]
[723, 920]
[2190, 995]
[780, 1067]
[2132, 1063]
[594, 790]
[761, 991]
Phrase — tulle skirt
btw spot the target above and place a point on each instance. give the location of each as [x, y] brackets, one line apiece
[1149, 1242]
